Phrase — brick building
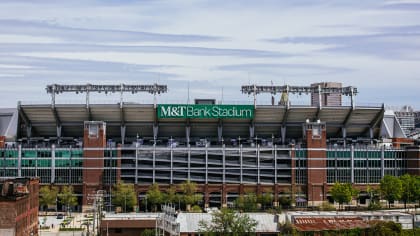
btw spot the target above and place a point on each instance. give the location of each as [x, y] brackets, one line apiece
[19, 207]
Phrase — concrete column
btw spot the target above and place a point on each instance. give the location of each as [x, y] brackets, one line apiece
[187, 133]
[122, 134]
[154, 163]
[241, 163]
[219, 133]
[224, 163]
[251, 131]
[352, 163]
[275, 164]
[28, 131]
[52, 164]
[258, 164]
[19, 160]
[136, 164]
[207, 165]
[58, 128]
[189, 161]
[172, 165]
[344, 132]
[283, 134]
[382, 162]
[155, 131]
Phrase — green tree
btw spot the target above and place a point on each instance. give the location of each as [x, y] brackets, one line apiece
[190, 196]
[417, 189]
[342, 193]
[247, 202]
[154, 196]
[228, 222]
[124, 196]
[148, 232]
[171, 196]
[47, 195]
[67, 197]
[385, 228]
[391, 188]
[408, 184]
[265, 199]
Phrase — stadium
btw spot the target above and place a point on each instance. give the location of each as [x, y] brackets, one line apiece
[227, 149]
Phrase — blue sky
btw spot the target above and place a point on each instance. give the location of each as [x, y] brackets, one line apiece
[210, 47]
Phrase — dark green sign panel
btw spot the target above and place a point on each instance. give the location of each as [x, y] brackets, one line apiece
[205, 111]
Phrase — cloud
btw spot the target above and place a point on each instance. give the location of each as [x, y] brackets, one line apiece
[182, 50]
[286, 69]
[39, 28]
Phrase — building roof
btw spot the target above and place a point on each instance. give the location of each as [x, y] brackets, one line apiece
[303, 223]
[139, 119]
[8, 122]
[189, 222]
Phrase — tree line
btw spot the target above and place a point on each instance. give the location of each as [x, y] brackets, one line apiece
[391, 188]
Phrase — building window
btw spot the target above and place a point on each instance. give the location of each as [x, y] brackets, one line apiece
[93, 130]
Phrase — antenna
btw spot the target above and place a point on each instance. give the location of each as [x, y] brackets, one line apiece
[188, 92]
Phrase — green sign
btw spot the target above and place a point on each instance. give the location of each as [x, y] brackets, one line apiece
[205, 111]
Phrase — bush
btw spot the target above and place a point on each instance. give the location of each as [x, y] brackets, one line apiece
[196, 209]
[326, 206]
[374, 206]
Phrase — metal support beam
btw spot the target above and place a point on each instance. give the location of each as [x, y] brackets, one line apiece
[283, 134]
[251, 130]
[59, 129]
[122, 134]
[187, 133]
[219, 133]
[155, 131]
[378, 118]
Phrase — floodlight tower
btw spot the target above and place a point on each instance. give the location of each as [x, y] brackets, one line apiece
[55, 89]
[256, 89]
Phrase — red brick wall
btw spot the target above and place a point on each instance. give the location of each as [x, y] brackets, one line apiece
[317, 174]
[2, 141]
[92, 178]
[22, 213]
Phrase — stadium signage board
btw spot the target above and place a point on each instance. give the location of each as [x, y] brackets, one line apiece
[205, 111]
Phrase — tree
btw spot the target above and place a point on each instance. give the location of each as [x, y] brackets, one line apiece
[342, 193]
[391, 188]
[417, 189]
[385, 228]
[124, 196]
[408, 184]
[171, 196]
[190, 196]
[67, 197]
[247, 202]
[265, 199]
[47, 195]
[228, 222]
[154, 196]
[148, 232]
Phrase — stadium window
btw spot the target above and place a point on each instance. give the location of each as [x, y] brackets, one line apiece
[93, 130]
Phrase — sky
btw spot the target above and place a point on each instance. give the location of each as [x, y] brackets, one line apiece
[208, 49]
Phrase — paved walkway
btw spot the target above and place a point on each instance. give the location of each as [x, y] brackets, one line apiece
[53, 223]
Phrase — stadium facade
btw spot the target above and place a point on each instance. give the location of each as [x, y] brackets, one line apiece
[228, 150]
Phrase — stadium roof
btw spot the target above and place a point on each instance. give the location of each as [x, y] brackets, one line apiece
[139, 119]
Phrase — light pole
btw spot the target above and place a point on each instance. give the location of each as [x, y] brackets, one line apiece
[146, 203]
